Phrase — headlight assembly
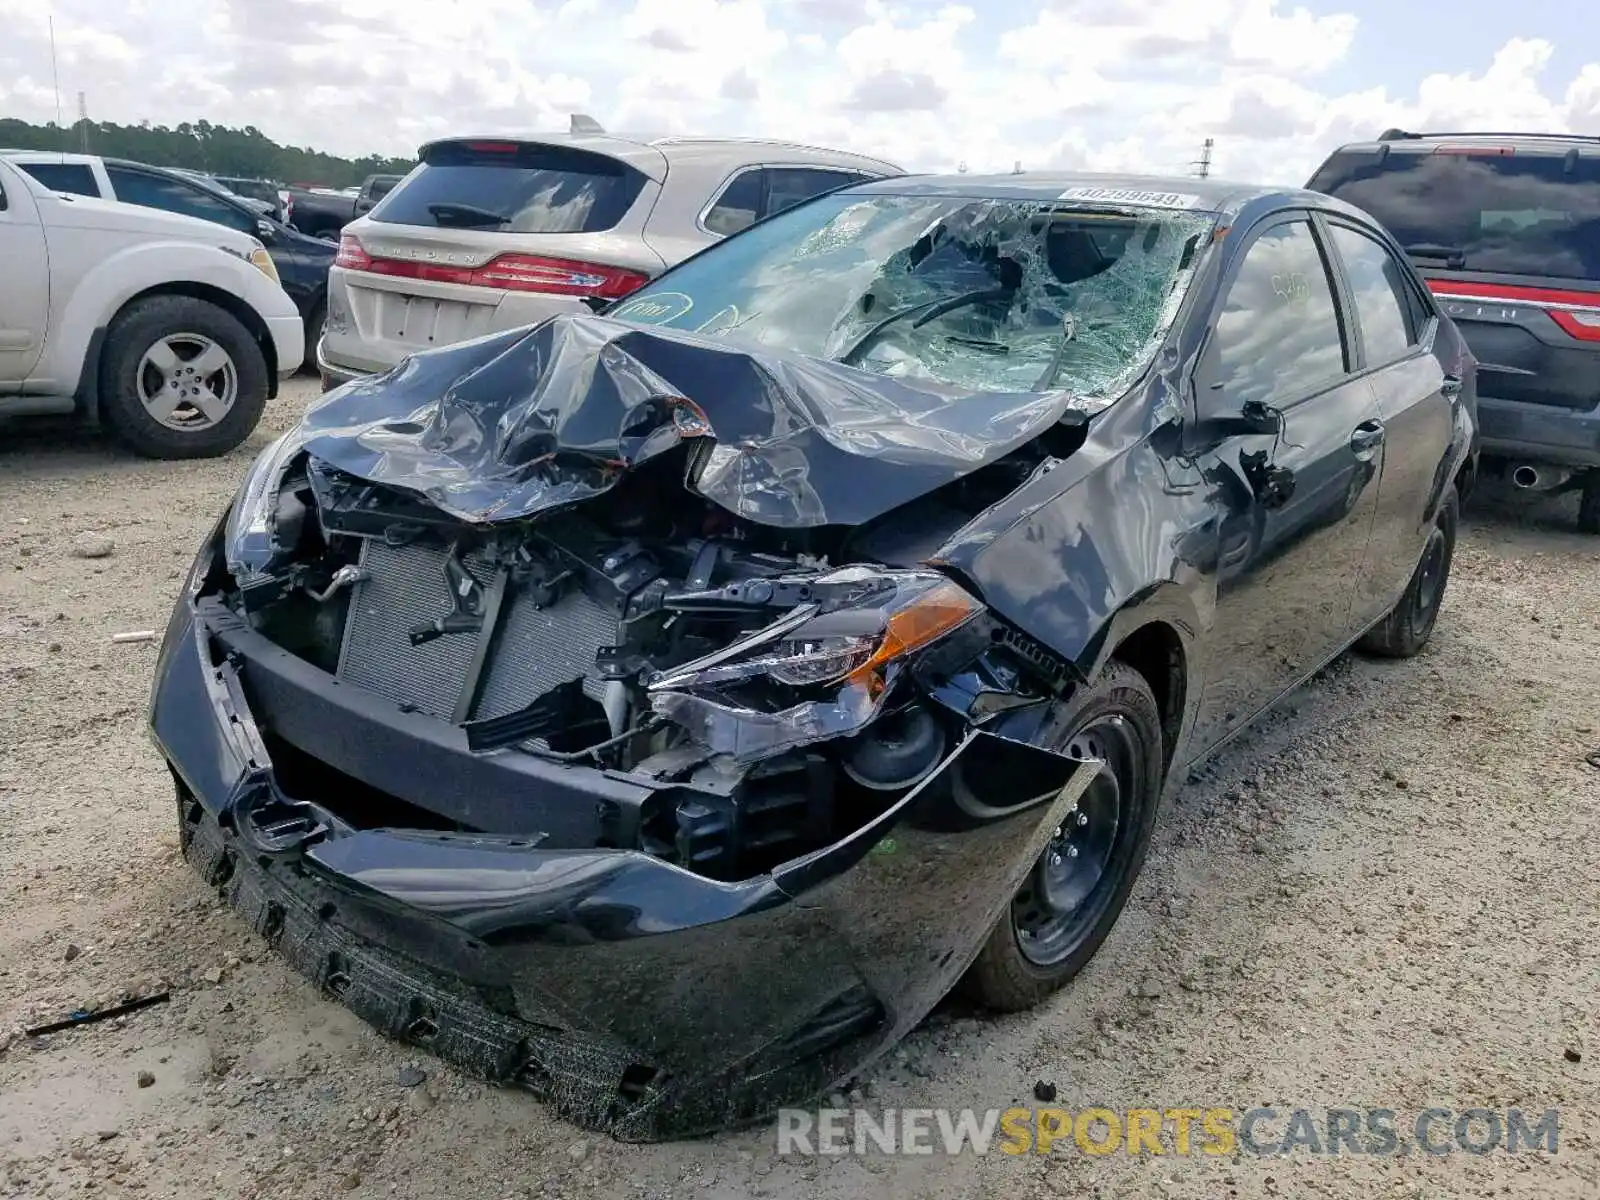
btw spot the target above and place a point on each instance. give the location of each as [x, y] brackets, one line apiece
[251, 538]
[812, 674]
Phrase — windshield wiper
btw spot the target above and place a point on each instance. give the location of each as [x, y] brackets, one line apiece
[465, 215]
[929, 310]
[1454, 256]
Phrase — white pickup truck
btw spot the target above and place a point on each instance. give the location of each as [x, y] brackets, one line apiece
[170, 331]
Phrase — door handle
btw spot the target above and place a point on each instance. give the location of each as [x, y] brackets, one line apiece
[1451, 387]
[1366, 439]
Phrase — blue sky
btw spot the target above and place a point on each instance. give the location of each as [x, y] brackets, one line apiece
[1096, 84]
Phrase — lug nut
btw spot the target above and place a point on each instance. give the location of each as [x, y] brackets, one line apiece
[1055, 859]
[1072, 852]
[1083, 818]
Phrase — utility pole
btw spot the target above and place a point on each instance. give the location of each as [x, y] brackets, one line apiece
[83, 120]
[1202, 165]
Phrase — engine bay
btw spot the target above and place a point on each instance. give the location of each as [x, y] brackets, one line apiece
[624, 633]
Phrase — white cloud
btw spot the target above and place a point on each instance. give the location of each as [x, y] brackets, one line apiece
[1107, 84]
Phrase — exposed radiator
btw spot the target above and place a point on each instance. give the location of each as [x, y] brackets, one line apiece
[535, 649]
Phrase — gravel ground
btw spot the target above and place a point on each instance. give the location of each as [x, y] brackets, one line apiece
[1385, 896]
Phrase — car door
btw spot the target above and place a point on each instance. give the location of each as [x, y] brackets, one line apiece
[1294, 505]
[171, 193]
[1395, 327]
[25, 293]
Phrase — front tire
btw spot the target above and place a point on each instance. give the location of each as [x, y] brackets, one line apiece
[181, 378]
[1076, 891]
[1405, 631]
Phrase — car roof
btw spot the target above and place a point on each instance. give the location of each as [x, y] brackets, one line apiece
[653, 156]
[60, 156]
[1401, 140]
[1205, 195]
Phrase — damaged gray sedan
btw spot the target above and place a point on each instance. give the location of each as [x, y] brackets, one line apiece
[661, 709]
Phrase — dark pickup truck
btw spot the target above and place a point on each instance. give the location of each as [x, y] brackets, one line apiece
[324, 214]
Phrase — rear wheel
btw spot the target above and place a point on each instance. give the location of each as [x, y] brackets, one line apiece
[1589, 504]
[1405, 631]
[314, 322]
[1080, 885]
[181, 378]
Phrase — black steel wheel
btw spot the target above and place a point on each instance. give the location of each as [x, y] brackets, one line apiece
[1405, 631]
[1080, 884]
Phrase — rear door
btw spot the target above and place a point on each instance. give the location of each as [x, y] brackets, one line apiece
[1508, 239]
[25, 293]
[1394, 329]
[489, 234]
[1295, 507]
[170, 193]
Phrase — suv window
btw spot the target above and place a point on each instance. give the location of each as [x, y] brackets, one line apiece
[513, 187]
[171, 194]
[76, 178]
[1378, 287]
[1277, 336]
[1523, 214]
[788, 186]
[739, 205]
[762, 191]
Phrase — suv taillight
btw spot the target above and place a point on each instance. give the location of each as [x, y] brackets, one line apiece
[351, 255]
[557, 276]
[508, 272]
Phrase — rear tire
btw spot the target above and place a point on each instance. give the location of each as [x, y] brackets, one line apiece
[1589, 504]
[181, 378]
[314, 323]
[1058, 919]
[1405, 631]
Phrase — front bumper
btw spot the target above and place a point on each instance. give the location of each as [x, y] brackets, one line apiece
[288, 335]
[636, 997]
[1539, 432]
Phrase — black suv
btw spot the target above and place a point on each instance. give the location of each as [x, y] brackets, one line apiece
[1505, 228]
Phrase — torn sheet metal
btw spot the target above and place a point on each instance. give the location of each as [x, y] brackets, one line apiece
[521, 423]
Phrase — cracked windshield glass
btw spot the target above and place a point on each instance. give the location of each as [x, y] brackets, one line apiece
[981, 295]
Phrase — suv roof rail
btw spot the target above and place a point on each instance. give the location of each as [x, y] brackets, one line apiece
[1398, 135]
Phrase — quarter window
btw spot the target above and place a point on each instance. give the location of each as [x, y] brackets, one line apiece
[1378, 287]
[1277, 334]
[738, 206]
[74, 178]
[761, 192]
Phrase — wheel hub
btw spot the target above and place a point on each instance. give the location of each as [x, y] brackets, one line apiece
[187, 381]
[1073, 879]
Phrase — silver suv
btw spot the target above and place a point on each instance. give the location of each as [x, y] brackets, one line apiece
[491, 233]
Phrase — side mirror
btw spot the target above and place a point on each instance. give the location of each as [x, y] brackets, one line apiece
[1255, 418]
[267, 232]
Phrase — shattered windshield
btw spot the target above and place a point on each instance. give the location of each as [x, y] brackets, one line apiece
[984, 295]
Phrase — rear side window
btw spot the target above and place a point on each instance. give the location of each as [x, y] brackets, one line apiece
[1277, 335]
[513, 187]
[1519, 213]
[174, 195]
[75, 178]
[762, 191]
[1378, 287]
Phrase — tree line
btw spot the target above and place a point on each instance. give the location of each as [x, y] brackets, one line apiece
[201, 146]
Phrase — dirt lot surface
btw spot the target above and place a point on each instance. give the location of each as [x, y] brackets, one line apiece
[1386, 896]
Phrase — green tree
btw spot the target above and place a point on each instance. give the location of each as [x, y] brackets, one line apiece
[202, 146]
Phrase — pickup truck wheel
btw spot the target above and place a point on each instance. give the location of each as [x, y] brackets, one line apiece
[1075, 892]
[1589, 504]
[181, 378]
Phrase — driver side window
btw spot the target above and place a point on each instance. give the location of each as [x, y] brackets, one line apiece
[1277, 337]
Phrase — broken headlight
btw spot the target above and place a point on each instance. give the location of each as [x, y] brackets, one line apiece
[821, 671]
[251, 539]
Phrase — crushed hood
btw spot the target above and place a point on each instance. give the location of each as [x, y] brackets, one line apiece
[515, 424]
